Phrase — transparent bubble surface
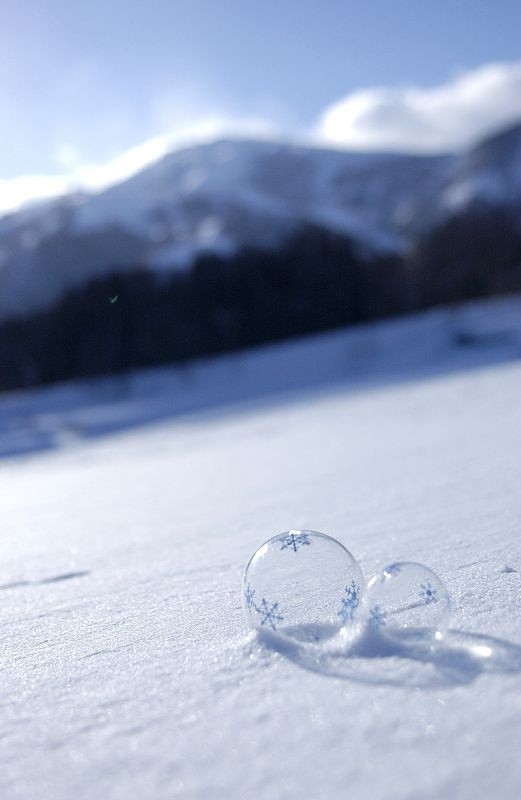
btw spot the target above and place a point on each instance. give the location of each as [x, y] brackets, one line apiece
[303, 585]
[407, 601]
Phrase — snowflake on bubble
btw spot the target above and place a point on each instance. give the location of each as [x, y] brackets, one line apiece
[413, 601]
[428, 593]
[294, 540]
[249, 597]
[377, 616]
[307, 593]
[393, 569]
[349, 603]
[269, 614]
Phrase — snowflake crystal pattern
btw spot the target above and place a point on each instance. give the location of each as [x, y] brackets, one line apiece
[294, 540]
[249, 595]
[268, 613]
[428, 593]
[377, 616]
[301, 591]
[393, 569]
[349, 602]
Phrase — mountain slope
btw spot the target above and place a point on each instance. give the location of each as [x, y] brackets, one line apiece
[489, 173]
[230, 195]
[220, 197]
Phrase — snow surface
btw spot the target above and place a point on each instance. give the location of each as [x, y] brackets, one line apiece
[128, 670]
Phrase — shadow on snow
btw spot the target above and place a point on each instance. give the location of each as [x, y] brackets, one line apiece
[458, 659]
[369, 356]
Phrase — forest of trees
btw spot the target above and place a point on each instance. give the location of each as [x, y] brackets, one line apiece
[473, 254]
[317, 281]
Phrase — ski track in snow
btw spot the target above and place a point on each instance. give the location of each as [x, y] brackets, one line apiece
[127, 667]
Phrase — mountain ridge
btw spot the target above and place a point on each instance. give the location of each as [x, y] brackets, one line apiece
[215, 198]
[233, 194]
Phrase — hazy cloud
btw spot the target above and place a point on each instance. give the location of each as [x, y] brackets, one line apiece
[15, 192]
[443, 118]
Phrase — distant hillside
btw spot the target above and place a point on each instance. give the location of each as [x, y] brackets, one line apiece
[231, 244]
[220, 199]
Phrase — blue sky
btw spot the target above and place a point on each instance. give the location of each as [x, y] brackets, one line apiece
[81, 83]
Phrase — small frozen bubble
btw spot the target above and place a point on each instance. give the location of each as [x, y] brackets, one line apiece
[407, 601]
[302, 584]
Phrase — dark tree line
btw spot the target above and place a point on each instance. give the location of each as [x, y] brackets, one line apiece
[134, 317]
[476, 253]
[317, 281]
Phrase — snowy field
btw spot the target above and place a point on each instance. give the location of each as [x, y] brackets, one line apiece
[129, 508]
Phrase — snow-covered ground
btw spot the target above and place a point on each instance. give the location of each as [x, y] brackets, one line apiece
[129, 508]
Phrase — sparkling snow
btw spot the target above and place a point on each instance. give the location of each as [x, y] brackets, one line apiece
[129, 508]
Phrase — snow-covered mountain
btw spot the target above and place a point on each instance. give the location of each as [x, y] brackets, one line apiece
[219, 197]
[231, 194]
[490, 172]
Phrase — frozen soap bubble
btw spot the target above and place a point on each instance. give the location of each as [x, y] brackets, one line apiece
[407, 601]
[302, 584]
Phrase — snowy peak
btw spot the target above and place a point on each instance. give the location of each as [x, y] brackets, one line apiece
[220, 197]
[231, 194]
[358, 194]
[489, 173]
[502, 151]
